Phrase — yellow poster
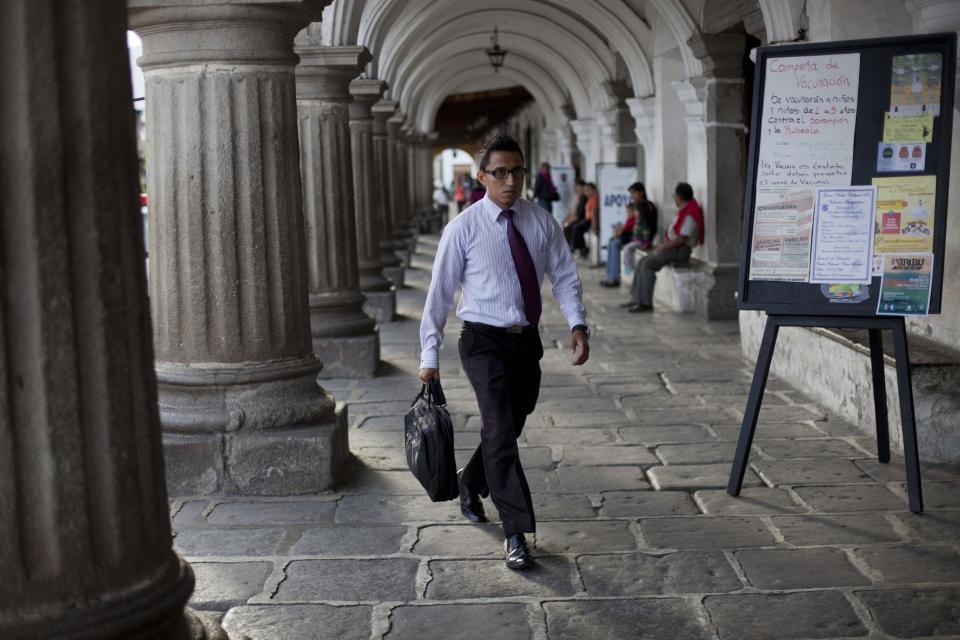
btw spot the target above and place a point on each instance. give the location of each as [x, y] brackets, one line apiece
[905, 214]
[908, 128]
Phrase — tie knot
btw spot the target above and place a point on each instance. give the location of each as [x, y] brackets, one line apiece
[508, 214]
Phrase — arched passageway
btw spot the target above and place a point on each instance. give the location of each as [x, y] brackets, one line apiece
[292, 151]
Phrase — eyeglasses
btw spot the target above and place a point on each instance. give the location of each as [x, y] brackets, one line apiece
[500, 173]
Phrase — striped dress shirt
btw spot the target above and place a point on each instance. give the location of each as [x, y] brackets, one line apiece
[474, 253]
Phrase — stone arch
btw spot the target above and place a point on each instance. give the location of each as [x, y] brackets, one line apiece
[781, 19]
[683, 27]
[624, 29]
[427, 97]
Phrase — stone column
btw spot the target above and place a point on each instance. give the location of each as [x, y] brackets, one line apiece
[716, 137]
[392, 264]
[344, 337]
[86, 549]
[643, 111]
[239, 403]
[368, 199]
[400, 178]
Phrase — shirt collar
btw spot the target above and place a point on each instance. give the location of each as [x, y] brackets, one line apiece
[493, 209]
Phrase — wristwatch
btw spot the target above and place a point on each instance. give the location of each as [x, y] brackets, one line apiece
[581, 327]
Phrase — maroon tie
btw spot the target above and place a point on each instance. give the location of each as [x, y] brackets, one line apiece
[526, 272]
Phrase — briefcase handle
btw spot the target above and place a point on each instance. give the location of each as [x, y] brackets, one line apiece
[433, 394]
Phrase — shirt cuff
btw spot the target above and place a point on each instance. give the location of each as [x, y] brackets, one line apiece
[430, 360]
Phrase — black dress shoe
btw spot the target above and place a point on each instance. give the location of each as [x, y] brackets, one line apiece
[640, 308]
[517, 553]
[609, 283]
[470, 505]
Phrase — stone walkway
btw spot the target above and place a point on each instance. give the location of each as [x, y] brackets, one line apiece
[627, 457]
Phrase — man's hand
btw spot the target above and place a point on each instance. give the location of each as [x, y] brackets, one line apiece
[578, 340]
[427, 374]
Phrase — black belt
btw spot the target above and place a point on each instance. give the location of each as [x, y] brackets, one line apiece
[513, 329]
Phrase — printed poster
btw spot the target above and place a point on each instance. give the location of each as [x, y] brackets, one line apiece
[905, 214]
[915, 86]
[782, 224]
[908, 128]
[906, 284]
[901, 156]
[842, 251]
[613, 183]
[808, 120]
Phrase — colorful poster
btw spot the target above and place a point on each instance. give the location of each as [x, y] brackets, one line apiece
[915, 85]
[843, 235]
[905, 287]
[808, 120]
[782, 223]
[901, 156]
[905, 214]
[908, 128]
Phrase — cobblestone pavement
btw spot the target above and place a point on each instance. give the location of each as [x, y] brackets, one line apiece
[627, 457]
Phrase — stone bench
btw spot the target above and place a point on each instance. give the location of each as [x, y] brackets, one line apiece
[682, 287]
[832, 366]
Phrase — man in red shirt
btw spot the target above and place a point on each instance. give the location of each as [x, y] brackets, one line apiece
[681, 237]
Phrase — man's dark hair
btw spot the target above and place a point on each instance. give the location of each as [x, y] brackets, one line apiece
[637, 186]
[497, 143]
[685, 191]
[592, 185]
[578, 182]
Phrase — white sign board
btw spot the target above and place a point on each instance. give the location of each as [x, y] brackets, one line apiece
[807, 127]
[563, 178]
[613, 183]
[843, 235]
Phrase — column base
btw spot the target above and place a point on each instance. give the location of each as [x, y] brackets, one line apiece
[381, 305]
[212, 398]
[348, 356]
[299, 460]
[721, 303]
[394, 275]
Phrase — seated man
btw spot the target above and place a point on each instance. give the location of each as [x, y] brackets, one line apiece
[622, 237]
[682, 236]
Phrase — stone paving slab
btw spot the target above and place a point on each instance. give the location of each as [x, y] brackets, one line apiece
[786, 616]
[300, 622]
[462, 579]
[258, 512]
[706, 533]
[767, 431]
[810, 471]
[932, 526]
[654, 618]
[696, 476]
[821, 448]
[470, 622]
[583, 536]
[697, 453]
[635, 504]
[751, 501]
[596, 479]
[915, 613]
[602, 455]
[222, 585]
[921, 564]
[775, 569]
[238, 542]
[354, 580]
[636, 574]
[847, 529]
[652, 436]
[350, 540]
[842, 498]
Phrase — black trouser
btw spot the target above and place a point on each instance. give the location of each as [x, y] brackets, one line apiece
[578, 240]
[504, 369]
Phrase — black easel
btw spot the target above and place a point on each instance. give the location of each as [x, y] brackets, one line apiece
[875, 325]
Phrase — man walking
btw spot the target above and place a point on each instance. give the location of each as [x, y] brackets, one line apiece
[499, 250]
